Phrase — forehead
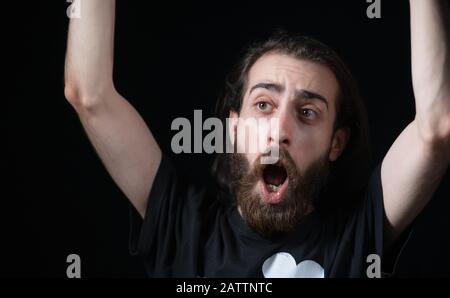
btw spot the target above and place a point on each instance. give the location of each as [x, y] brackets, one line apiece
[295, 73]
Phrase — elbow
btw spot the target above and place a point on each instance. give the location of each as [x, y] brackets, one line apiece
[81, 100]
[72, 94]
[437, 137]
[441, 133]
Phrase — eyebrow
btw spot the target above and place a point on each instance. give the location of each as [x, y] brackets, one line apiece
[269, 86]
[302, 93]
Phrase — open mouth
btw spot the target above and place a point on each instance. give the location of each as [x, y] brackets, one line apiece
[274, 176]
[274, 183]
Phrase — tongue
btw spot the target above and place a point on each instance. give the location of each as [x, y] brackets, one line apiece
[274, 175]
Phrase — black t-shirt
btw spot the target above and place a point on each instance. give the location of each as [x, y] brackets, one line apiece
[187, 232]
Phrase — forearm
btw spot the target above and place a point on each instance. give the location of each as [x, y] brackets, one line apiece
[89, 57]
[431, 66]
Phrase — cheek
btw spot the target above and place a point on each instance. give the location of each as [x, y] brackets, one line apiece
[247, 137]
[252, 135]
[251, 157]
[309, 144]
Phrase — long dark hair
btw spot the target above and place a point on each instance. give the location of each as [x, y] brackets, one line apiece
[349, 173]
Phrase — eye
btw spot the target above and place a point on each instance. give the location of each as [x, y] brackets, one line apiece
[264, 106]
[308, 113]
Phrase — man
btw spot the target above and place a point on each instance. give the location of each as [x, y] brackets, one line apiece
[311, 213]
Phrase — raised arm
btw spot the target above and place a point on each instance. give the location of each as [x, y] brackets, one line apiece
[119, 135]
[416, 162]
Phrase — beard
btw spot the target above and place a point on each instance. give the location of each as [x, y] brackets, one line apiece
[298, 197]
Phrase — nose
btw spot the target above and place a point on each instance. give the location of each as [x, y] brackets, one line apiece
[282, 129]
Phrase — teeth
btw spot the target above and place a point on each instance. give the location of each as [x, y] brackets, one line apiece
[272, 187]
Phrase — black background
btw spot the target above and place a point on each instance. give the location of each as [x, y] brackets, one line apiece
[171, 58]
